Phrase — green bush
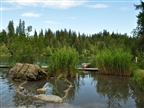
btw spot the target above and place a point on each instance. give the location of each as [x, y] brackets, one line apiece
[140, 61]
[4, 50]
[138, 77]
[93, 62]
[23, 50]
[64, 61]
[141, 64]
[115, 62]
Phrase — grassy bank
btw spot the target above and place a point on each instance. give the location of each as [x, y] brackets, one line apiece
[115, 62]
[63, 62]
[138, 77]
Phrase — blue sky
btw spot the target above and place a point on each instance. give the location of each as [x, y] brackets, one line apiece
[84, 16]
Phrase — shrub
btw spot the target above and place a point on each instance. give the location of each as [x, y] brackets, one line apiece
[138, 77]
[4, 50]
[64, 61]
[23, 50]
[115, 62]
[93, 62]
[140, 62]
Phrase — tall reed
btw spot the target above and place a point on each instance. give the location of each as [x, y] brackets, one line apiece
[64, 61]
[115, 62]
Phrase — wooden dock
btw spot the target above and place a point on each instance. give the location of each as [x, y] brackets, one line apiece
[88, 69]
[44, 67]
[7, 66]
[4, 66]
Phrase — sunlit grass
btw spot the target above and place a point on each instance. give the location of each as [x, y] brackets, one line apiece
[138, 76]
[64, 61]
[115, 62]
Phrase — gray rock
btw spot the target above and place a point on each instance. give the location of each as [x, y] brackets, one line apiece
[49, 98]
[27, 72]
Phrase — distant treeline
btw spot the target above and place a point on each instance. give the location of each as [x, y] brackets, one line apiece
[82, 42]
[15, 41]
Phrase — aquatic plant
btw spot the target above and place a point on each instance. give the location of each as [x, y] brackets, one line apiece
[64, 60]
[115, 62]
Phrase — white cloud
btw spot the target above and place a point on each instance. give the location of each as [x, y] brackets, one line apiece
[52, 22]
[97, 6]
[30, 14]
[6, 9]
[62, 4]
[125, 9]
[24, 2]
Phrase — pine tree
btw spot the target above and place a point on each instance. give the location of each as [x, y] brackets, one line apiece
[3, 37]
[140, 25]
[11, 31]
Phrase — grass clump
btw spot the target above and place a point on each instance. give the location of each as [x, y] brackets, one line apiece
[138, 77]
[115, 62]
[64, 61]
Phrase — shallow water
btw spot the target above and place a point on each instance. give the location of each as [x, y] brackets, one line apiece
[90, 90]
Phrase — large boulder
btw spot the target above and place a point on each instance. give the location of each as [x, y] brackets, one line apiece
[27, 72]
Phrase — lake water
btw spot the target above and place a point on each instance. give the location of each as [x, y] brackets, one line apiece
[90, 90]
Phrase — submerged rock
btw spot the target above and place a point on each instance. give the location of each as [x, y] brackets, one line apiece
[49, 98]
[42, 89]
[26, 72]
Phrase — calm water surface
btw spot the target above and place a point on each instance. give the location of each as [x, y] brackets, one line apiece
[90, 90]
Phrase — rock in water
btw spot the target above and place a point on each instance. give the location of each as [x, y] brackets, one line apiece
[49, 98]
[42, 89]
[27, 71]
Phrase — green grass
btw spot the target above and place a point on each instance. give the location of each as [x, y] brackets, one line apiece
[138, 77]
[64, 60]
[115, 62]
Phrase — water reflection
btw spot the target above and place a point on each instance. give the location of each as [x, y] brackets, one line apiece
[119, 91]
[116, 89]
[89, 90]
[31, 89]
[138, 95]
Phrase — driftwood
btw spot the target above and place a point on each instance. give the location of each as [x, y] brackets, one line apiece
[67, 90]
[44, 97]
[19, 89]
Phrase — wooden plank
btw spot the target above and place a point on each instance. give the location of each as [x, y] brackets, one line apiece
[44, 67]
[4, 66]
[89, 69]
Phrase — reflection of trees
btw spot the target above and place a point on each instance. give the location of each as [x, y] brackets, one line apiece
[79, 81]
[61, 85]
[138, 95]
[116, 89]
[30, 88]
[22, 101]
